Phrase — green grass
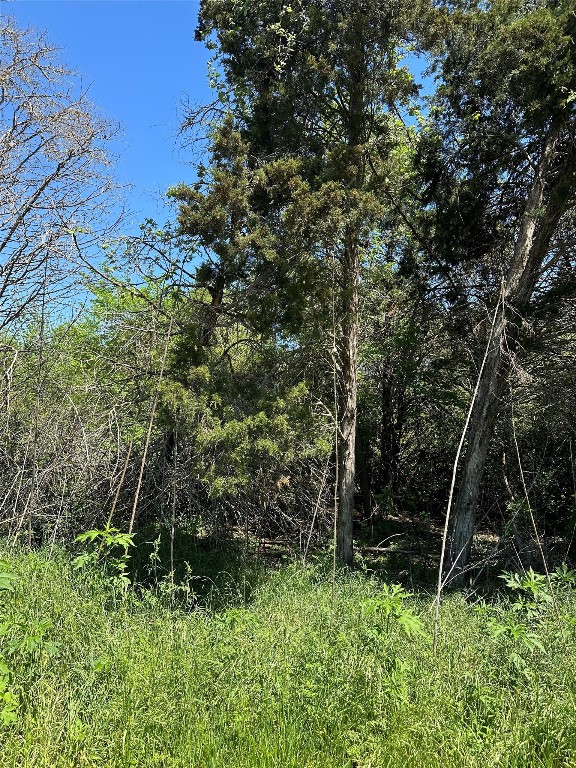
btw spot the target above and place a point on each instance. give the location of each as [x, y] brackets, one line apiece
[290, 679]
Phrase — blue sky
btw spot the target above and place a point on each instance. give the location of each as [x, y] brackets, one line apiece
[139, 61]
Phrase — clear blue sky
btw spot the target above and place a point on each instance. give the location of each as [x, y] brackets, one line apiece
[139, 61]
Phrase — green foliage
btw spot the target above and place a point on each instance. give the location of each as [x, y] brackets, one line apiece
[7, 577]
[317, 95]
[319, 159]
[294, 677]
[9, 699]
[28, 642]
[24, 644]
[10, 703]
[390, 603]
[535, 584]
[109, 548]
[564, 577]
[506, 69]
[108, 537]
[535, 592]
[517, 632]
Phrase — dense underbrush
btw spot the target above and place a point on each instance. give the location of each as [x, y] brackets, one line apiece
[96, 673]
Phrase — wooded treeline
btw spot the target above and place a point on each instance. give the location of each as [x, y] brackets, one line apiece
[360, 258]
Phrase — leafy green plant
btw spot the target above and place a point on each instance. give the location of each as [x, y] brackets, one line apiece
[7, 577]
[395, 684]
[390, 604]
[564, 577]
[9, 699]
[240, 619]
[517, 631]
[532, 590]
[297, 676]
[29, 642]
[109, 547]
[25, 646]
[532, 583]
[178, 593]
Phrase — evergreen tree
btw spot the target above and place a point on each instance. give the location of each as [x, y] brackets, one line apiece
[317, 90]
[501, 178]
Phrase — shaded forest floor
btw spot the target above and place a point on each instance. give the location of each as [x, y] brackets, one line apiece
[396, 548]
[241, 665]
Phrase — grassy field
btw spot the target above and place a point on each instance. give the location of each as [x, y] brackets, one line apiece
[280, 671]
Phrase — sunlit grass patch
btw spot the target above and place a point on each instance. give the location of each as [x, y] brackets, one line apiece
[102, 676]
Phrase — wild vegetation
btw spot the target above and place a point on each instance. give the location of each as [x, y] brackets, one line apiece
[341, 373]
[275, 670]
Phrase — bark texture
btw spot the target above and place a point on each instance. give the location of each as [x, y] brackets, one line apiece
[350, 276]
[347, 406]
[546, 202]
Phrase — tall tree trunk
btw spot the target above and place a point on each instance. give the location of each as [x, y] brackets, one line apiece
[481, 429]
[363, 472]
[347, 351]
[387, 435]
[350, 276]
[547, 201]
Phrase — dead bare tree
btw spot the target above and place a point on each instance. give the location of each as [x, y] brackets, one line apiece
[56, 191]
[54, 168]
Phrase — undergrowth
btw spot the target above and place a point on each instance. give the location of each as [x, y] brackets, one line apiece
[97, 673]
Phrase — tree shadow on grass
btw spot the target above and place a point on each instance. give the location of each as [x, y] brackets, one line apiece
[204, 572]
[400, 548]
[199, 571]
[218, 574]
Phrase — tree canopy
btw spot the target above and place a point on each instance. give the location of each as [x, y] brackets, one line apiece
[363, 267]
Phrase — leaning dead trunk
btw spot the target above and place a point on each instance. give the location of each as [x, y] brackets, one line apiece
[547, 201]
[481, 429]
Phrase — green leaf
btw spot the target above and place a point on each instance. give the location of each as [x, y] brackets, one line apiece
[7, 577]
[411, 624]
[83, 560]
[88, 535]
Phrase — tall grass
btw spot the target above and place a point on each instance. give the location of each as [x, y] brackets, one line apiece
[288, 679]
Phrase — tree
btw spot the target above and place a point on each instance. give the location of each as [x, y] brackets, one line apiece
[316, 90]
[54, 191]
[53, 168]
[503, 180]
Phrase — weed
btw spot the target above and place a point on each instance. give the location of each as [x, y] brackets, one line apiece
[109, 548]
[295, 676]
[391, 604]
